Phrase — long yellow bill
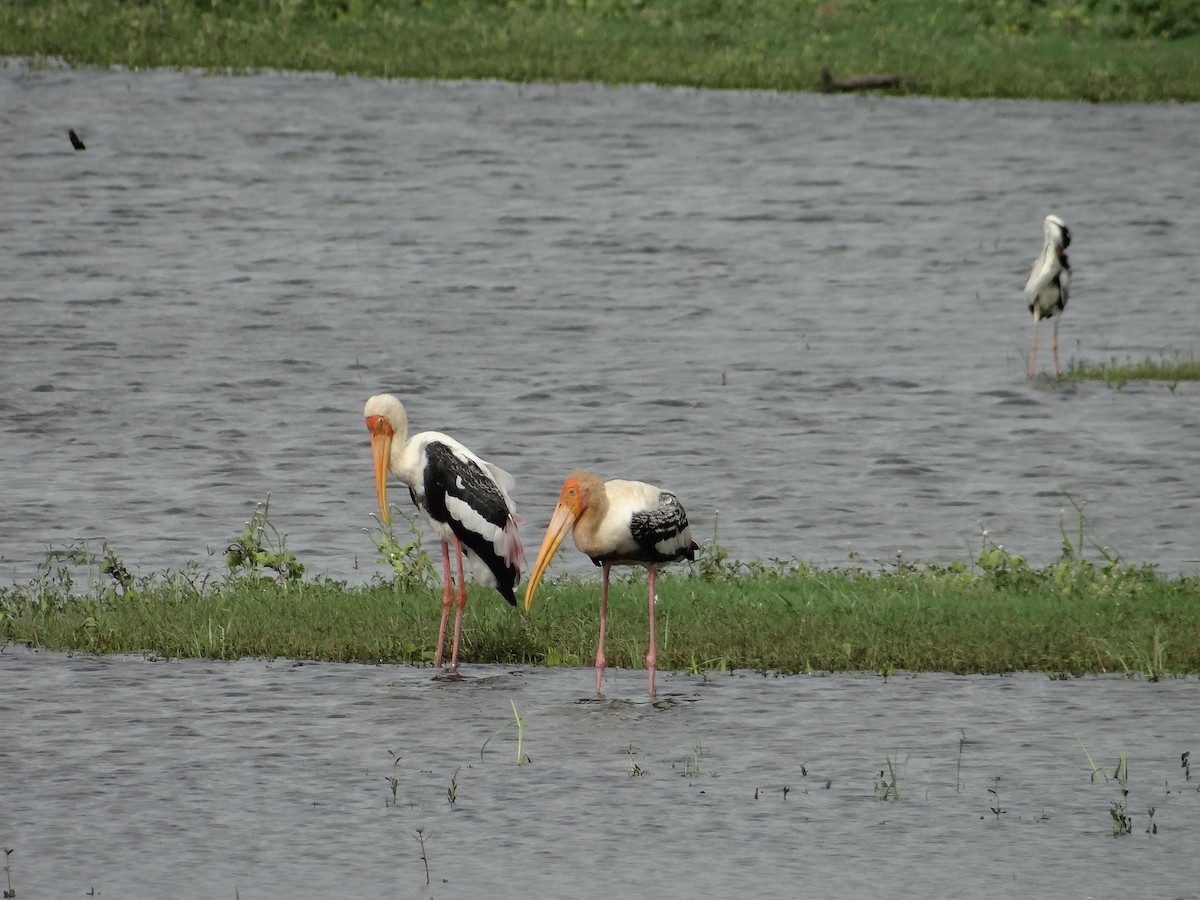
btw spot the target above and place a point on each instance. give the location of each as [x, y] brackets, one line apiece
[560, 523]
[381, 449]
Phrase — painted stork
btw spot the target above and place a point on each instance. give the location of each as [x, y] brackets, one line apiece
[1048, 283]
[465, 499]
[616, 523]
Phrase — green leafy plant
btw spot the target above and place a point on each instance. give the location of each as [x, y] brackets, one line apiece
[452, 791]
[713, 563]
[1073, 563]
[263, 546]
[410, 564]
[393, 780]
[1005, 569]
[112, 566]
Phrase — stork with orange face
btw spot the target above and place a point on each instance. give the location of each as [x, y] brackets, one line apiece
[616, 523]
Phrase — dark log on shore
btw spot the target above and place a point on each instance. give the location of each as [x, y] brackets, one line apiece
[857, 82]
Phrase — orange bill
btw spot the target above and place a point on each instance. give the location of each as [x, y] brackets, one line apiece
[561, 522]
[381, 449]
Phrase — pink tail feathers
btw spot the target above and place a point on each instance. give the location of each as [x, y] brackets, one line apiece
[508, 545]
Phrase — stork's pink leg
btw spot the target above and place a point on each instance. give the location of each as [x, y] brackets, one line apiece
[1033, 352]
[652, 655]
[447, 598]
[1057, 367]
[462, 603]
[603, 618]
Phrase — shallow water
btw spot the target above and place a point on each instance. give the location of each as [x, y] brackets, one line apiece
[198, 779]
[803, 312]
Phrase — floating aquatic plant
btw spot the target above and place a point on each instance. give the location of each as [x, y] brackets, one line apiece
[520, 726]
[1122, 823]
[887, 782]
[452, 791]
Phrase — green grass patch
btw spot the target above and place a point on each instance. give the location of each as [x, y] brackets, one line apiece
[997, 614]
[1099, 50]
[1115, 374]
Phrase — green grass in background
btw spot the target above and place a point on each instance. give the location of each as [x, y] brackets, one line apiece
[1098, 50]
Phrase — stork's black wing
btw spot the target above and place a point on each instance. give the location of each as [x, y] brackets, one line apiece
[662, 533]
[459, 492]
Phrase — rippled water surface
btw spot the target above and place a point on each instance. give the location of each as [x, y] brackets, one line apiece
[137, 778]
[803, 312]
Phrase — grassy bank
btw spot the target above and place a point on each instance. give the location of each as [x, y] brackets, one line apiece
[997, 614]
[1098, 50]
[1117, 374]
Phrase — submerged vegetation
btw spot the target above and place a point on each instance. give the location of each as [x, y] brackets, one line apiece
[996, 614]
[1097, 50]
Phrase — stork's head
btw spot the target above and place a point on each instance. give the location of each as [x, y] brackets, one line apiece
[1056, 230]
[573, 501]
[385, 420]
[577, 490]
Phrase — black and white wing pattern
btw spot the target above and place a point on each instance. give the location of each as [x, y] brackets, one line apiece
[464, 495]
[661, 530]
[1049, 282]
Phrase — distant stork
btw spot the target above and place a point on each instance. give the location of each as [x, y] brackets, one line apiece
[1048, 283]
[616, 523]
[465, 499]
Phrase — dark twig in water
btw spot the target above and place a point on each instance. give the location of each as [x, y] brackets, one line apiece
[8, 892]
[424, 856]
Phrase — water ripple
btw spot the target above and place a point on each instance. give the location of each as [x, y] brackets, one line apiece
[762, 301]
